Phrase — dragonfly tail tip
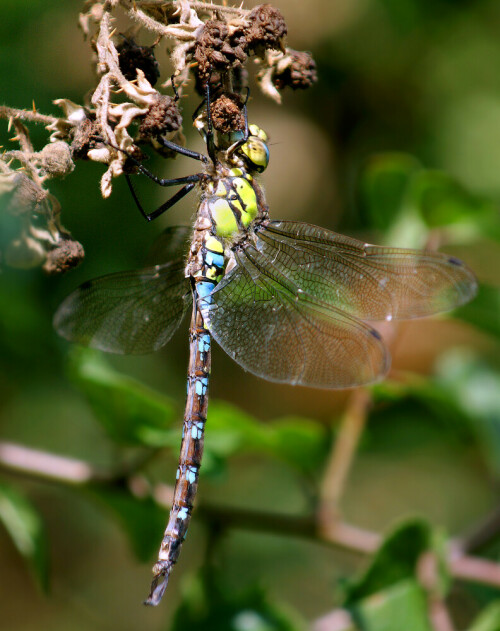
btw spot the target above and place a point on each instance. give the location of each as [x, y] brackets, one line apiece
[158, 586]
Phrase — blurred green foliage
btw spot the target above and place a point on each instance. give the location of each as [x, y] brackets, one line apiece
[398, 143]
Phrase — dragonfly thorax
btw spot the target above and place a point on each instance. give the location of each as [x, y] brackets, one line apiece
[231, 203]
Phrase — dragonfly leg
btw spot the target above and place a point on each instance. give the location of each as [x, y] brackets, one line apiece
[210, 132]
[168, 144]
[189, 185]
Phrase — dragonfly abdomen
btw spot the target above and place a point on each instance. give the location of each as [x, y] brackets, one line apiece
[204, 281]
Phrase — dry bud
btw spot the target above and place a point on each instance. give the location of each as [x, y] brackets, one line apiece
[162, 117]
[227, 114]
[216, 50]
[267, 29]
[68, 254]
[131, 56]
[56, 159]
[297, 70]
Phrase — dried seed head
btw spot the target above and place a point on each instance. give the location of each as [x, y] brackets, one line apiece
[56, 159]
[68, 254]
[86, 137]
[216, 50]
[299, 74]
[266, 29]
[130, 166]
[162, 117]
[24, 253]
[24, 195]
[227, 114]
[131, 57]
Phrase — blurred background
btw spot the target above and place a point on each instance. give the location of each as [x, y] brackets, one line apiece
[398, 142]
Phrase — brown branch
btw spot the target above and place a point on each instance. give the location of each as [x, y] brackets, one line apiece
[439, 615]
[27, 115]
[69, 471]
[475, 570]
[428, 575]
[41, 464]
[342, 455]
[338, 620]
[481, 534]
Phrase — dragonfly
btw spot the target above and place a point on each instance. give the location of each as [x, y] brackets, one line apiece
[289, 301]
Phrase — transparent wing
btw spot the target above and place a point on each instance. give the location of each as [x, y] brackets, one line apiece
[266, 324]
[130, 312]
[367, 281]
[170, 245]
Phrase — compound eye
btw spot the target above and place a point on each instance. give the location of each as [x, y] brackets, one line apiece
[256, 153]
[255, 130]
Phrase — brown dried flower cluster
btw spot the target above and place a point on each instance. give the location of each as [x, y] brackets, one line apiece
[213, 44]
[222, 47]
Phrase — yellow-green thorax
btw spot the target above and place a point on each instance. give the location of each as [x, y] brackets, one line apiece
[232, 203]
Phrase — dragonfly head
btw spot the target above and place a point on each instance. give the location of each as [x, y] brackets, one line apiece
[255, 151]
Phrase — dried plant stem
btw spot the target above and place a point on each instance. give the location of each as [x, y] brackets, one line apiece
[197, 6]
[26, 115]
[202, 6]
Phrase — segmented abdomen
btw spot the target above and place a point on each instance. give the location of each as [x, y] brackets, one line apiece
[195, 415]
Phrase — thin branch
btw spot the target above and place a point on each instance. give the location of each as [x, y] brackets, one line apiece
[428, 575]
[27, 115]
[343, 453]
[69, 471]
[41, 464]
[338, 620]
[208, 6]
[439, 615]
[199, 6]
[481, 534]
[475, 570]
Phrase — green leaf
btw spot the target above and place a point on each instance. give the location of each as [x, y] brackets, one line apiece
[405, 201]
[25, 527]
[483, 312]
[464, 396]
[130, 412]
[443, 579]
[402, 606]
[474, 388]
[142, 519]
[208, 605]
[384, 185]
[395, 560]
[301, 443]
[489, 619]
[442, 201]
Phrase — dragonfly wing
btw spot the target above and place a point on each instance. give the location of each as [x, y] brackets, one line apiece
[267, 325]
[367, 281]
[129, 312]
[170, 245]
